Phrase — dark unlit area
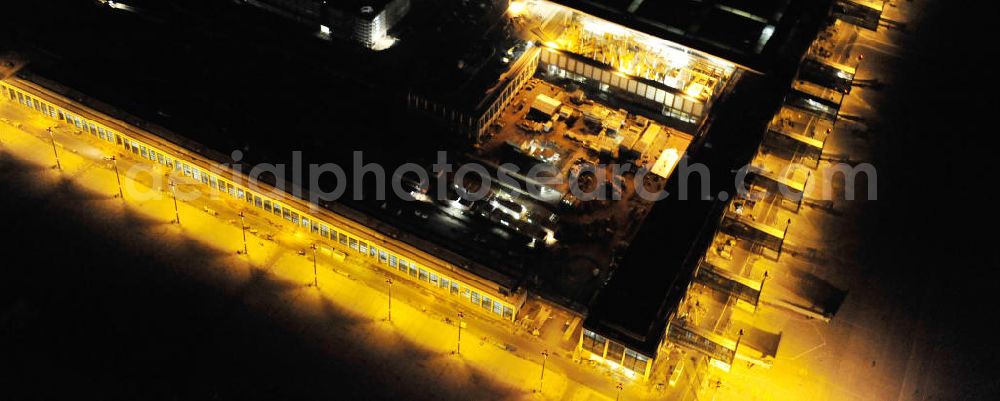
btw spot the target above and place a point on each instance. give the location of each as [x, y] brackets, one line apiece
[96, 306]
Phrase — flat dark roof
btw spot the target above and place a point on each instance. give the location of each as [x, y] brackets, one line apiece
[254, 92]
[752, 33]
[832, 76]
[241, 78]
[355, 7]
[652, 277]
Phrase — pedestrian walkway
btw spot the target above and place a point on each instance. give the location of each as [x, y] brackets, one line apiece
[345, 287]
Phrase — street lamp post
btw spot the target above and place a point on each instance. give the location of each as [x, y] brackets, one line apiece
[461, 320]
[389, 282]
[243, 226]
[121, 194]
[619, 387]
[173, 193]
[54, 151]
[541, 379]
[760, 292]
[736, 347]
[315, 279]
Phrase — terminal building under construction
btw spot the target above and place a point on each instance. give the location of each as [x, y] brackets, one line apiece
[568, 84]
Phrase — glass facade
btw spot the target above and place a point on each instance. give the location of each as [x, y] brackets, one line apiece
[671, 101]
[335, 235]
[613, 352]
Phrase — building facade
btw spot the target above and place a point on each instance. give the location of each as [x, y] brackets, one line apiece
[364, 22]
[333, 230]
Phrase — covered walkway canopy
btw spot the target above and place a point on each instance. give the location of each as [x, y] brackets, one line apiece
[863, 13]
[720, 279]
[765, 235]
[829, 74]
[813, 104]
[802, 127]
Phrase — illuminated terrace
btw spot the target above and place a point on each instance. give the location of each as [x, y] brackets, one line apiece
[625, 50]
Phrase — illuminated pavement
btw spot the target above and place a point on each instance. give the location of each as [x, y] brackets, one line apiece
[873, 348]
[351, 288]
[870, 351]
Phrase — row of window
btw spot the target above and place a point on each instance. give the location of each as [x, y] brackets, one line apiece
[674, 105]
[334, 234]
[678, 334]
[62, 115]
[614, 352]
[527, 71]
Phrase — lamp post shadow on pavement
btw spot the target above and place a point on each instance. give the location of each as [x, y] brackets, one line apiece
[315, 277]
[118, 176]
[173, 193]
[461, 322]
[243, 227]
[55, 152]
[541, 378]
[388, 282]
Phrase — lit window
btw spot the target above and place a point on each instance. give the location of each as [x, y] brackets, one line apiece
[593, 342]
[635, 362]
[615, 352]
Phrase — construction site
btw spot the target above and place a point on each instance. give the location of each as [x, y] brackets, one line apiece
[586, 112]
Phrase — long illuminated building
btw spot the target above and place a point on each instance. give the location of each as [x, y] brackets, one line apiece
[333, 226]
[670, 61]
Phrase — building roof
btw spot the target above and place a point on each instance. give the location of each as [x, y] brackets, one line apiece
[751, 33]
[652, 278]
[253, 93]
[359, 8]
